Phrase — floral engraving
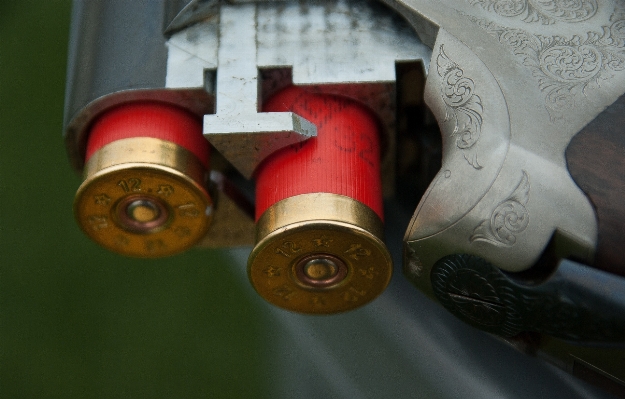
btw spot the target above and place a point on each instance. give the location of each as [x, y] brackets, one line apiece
[544, 11]
[566, 67]
[462, 105]
[510, 217]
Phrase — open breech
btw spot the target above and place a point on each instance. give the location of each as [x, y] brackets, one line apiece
[285, 125]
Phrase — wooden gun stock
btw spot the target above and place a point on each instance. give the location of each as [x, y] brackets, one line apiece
[596, 161]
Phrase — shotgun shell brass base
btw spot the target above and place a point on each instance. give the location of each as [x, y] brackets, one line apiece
[143, 197]
[319, 253]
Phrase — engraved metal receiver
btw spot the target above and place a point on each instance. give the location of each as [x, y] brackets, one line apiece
[500, 117]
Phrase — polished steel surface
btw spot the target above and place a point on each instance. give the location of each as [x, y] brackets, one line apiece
[322, 46]
[510, 87]
[509, 91]
[244, 136]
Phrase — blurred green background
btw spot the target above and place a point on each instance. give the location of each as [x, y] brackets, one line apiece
[75, 320]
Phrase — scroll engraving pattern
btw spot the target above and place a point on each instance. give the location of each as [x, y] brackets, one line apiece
[544, 11]
[566, 67]
[510, 217]
[462, 105]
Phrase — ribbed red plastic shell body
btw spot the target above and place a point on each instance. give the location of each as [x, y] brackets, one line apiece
[343, 159]
[149, 119]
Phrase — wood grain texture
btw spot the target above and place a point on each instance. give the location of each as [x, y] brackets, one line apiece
[596, 160]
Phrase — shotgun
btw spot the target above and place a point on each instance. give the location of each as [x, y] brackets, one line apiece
[501, 121]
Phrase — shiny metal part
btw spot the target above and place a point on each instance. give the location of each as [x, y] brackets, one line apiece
[233, 220]
[504, 148]
[127, 64]
[244, 136]
[319, 253]
[320, 271]
[500, 87]
[112, 62]
[515, 195]
[510, 87]
[144, 197]
[347, 48]
[142, 214]
[184, 68]
[322, 46]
